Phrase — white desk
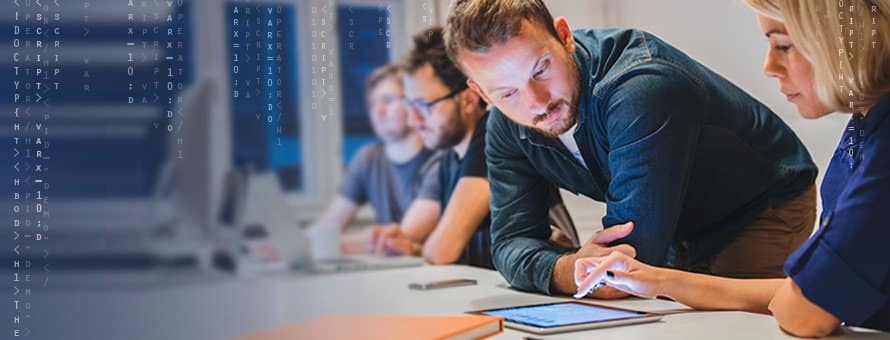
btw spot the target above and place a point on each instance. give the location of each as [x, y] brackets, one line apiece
[221, 308]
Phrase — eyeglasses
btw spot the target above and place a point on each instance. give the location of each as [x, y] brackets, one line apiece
[425, 108]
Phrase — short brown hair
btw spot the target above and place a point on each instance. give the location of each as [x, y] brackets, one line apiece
[380, 74]
[476, 25]
[429, 47]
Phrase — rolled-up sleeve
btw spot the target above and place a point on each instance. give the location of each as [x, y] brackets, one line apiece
[844, 267]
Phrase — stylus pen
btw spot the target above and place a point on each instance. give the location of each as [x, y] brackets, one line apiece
[595, 287]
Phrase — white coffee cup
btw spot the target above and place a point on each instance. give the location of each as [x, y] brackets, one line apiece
[325, 243]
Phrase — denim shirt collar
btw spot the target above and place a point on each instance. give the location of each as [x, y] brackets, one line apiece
[584, 60]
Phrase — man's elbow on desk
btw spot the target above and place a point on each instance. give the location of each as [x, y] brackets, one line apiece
[440, 256]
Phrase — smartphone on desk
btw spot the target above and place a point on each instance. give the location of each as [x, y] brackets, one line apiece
[442, 284]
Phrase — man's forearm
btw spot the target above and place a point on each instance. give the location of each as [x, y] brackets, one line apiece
[562, 280]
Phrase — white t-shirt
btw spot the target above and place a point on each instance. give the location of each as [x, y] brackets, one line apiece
[568, 139]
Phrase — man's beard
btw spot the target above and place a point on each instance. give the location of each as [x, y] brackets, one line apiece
[562, 124]
[451, 133]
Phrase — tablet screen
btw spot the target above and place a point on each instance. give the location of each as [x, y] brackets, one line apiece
[560, 314]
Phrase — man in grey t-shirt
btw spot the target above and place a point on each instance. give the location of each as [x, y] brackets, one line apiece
[389, 186]
[389, 174]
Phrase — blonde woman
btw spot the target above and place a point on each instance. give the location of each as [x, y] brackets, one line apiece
[828, 56]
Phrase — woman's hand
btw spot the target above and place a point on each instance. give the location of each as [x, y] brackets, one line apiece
[620, 271]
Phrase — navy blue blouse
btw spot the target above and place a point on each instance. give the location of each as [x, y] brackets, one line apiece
[844, 267]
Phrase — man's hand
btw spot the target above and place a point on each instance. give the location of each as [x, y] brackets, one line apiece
[596, 246]
[401, 245]
[391, 241]
[361, 242]
[372, 235]
[563, 279]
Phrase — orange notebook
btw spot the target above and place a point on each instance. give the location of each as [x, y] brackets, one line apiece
[343, 327]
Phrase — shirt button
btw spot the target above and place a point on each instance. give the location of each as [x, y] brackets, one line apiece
[826, 220]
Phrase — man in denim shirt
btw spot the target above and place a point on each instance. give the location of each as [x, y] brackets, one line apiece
[698, 174]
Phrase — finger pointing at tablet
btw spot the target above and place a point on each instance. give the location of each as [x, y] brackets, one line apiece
[618, 271]
[593, 270]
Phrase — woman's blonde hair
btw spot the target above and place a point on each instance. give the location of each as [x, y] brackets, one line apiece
[847, 78]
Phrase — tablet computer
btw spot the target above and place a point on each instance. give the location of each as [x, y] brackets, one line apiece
[559, 317]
